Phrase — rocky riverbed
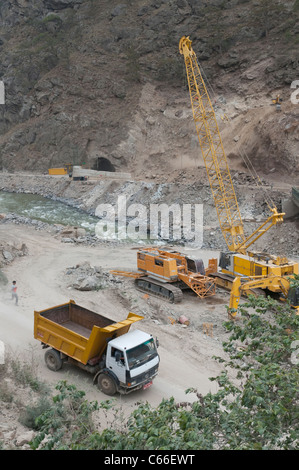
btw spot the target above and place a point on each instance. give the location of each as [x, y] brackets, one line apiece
[183, 189]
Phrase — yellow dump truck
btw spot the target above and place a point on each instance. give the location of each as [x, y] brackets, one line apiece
[57, 171]
[121, 361]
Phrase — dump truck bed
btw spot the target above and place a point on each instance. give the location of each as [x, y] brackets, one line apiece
[78, 332]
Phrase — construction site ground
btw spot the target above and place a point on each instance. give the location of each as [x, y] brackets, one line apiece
[185, 351]
[46, 276]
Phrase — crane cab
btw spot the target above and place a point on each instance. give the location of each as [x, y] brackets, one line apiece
[236, 264]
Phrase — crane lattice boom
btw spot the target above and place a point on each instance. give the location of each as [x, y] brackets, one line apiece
[215, 159]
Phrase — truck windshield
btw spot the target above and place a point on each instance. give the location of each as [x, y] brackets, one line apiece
[142, 353]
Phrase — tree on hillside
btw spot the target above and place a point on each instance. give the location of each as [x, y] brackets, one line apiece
[266, 14]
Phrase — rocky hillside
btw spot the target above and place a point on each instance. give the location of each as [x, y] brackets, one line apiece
[102, 83]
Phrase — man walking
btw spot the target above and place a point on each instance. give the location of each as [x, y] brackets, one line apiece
[14, 294]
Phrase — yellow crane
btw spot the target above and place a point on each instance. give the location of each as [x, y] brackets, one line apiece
[239, 261]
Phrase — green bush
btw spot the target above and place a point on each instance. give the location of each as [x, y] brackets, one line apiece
[32, 412]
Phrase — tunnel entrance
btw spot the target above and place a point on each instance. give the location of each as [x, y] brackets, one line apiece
[103, 164]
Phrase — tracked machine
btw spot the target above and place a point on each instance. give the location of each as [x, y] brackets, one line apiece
[239, 260]
[166, 274]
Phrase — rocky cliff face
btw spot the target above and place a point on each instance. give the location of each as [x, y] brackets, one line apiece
[102, 83]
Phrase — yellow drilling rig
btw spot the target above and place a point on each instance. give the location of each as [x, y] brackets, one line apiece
[239, 261]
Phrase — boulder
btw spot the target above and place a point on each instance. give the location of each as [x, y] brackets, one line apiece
[24, 438]
[89, 283]
[7, 255]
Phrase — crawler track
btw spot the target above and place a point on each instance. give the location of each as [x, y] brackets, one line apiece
[226, 282]
[162, 290]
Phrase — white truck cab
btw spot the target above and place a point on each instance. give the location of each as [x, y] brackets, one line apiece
[132, 362]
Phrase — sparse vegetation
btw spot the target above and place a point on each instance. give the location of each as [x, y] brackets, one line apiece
[267, 14]
[294, 281]
[132, 64]
[21, 372]
[29, 416]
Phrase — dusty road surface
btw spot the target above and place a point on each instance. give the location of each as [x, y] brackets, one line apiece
[185, 352]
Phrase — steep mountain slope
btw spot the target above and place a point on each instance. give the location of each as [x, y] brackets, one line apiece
[102, 83]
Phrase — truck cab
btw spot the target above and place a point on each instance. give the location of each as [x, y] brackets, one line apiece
[132, 362]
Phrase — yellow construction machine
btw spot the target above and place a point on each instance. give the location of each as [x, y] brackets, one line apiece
[166, 273]
[240, 260]
[65, 170]
[276, 100]
[244, 285]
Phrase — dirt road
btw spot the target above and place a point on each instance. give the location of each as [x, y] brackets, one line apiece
[186, 352]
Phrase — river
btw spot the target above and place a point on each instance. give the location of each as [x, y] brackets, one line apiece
[46, 210]
[53, 211]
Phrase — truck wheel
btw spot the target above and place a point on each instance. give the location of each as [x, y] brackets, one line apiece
[53, 359]
[106, 384]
